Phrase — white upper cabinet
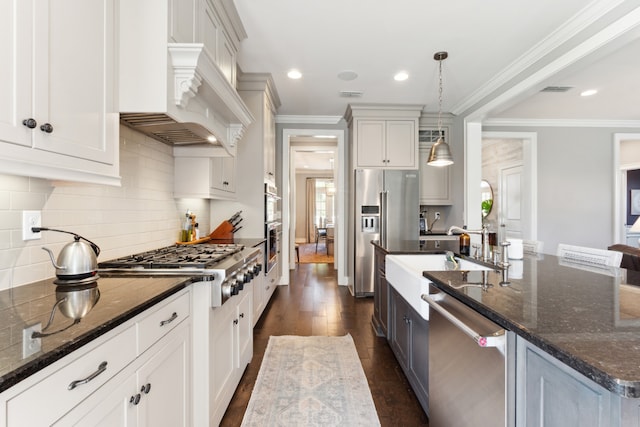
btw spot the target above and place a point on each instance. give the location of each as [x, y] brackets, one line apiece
[58, 115]
[384, 136]
[435, 182]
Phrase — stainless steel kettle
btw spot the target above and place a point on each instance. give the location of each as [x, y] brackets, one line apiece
[77, 261]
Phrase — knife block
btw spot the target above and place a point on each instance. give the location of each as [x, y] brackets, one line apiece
[223, 231]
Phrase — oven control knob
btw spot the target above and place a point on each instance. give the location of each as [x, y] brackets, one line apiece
[250, 275]
[235, 290]
[240, 285]
[257, 268]
[226, 291]
[240, 277]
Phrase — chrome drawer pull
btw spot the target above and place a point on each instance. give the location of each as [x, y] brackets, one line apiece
[101, 368]
[173, 317]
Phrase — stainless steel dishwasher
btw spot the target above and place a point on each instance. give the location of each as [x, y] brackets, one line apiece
[470, 362]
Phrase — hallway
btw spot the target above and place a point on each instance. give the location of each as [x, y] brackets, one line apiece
[313, 304]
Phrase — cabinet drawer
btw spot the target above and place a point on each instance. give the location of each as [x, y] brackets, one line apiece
[161, 320]
[54, 396]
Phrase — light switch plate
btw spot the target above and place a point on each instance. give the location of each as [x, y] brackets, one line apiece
[31, 219]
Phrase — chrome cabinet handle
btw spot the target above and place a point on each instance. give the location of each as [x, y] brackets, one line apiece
[235, 321]
[135, 399]
[173, 317]
[30, 123]
[101, 368]
[145, 388]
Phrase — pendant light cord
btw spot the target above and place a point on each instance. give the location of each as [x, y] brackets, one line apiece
[440, 98]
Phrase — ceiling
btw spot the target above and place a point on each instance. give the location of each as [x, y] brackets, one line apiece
[493, 47]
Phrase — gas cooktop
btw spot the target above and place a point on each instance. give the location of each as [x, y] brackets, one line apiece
[198, 256]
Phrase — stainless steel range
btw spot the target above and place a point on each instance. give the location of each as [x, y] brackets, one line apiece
[227, 266]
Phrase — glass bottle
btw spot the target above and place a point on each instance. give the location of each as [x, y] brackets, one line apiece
[465, 243]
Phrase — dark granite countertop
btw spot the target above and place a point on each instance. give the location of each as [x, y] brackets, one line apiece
[587, 318]
[416, 246]
[120, 300]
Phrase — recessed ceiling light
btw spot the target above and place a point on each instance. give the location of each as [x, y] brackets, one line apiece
[324, 136]
[588, 92]
[294, 74]
[211, 138]
[401, 76]
[347, 75]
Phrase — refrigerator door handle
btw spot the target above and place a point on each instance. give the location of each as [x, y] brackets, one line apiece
[383, 217]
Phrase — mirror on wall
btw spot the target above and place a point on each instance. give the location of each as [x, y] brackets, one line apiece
[487, 197]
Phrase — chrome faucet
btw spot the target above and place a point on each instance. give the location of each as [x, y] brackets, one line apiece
[484, 232]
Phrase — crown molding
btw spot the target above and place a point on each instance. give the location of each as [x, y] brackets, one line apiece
[583, 20]
[574, 123]
[317, 120]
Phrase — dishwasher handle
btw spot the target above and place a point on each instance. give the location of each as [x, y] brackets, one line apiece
[496, 339]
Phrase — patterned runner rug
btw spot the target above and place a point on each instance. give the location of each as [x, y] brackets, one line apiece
[311, 381]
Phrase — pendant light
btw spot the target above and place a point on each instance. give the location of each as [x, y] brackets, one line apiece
[440, 154]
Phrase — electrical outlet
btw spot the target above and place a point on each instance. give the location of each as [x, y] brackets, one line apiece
[31, 219]
[437, 215]
[31, 345]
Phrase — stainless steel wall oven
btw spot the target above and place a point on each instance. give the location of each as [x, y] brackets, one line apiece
[273, 230]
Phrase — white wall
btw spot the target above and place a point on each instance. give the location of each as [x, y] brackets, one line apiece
[140, 215]
[575, 185]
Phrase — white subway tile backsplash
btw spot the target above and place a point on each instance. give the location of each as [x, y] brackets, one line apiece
[140, 215]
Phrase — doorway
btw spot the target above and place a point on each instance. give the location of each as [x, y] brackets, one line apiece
[294, 140]
[509, 165]
[626, 157]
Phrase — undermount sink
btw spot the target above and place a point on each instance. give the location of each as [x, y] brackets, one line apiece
[404, 273]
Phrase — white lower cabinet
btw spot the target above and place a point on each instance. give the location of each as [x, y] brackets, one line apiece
[155, 394]
[121, 379]
[230, 349]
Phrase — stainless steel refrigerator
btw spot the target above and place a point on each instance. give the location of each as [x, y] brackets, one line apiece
[386, 209]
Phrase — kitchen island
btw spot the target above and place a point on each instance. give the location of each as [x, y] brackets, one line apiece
[577, 331]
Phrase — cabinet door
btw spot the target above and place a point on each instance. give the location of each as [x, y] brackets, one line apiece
[401, 148]
[370, 144]
[380, 295]
[106, 408]
[223, 171]
[419, 359]
[401, 329]
[245, 327]
[73, 88]
[258, 296]
[552, 394]
[269, 144]
[15, 74]
[222, 350]
[435, 182]
[163, 382]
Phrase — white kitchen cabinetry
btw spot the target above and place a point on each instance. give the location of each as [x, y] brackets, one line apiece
[58, 115]
[384, 136]
[118, 365]
[157, 393]
[435, 182]
[551, 393]
[230, 349]
[223, 178]
[205, 177]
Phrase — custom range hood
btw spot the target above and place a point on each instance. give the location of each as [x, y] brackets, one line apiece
[177, 93]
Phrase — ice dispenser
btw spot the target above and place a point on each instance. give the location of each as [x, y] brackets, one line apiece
[370, 219]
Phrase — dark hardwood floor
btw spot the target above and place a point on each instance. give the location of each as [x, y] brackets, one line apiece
[314, 304]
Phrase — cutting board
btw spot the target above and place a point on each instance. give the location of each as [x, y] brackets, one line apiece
[223, 231]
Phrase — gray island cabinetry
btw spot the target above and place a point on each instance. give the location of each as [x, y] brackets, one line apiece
[578, 335]
[409, 340]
